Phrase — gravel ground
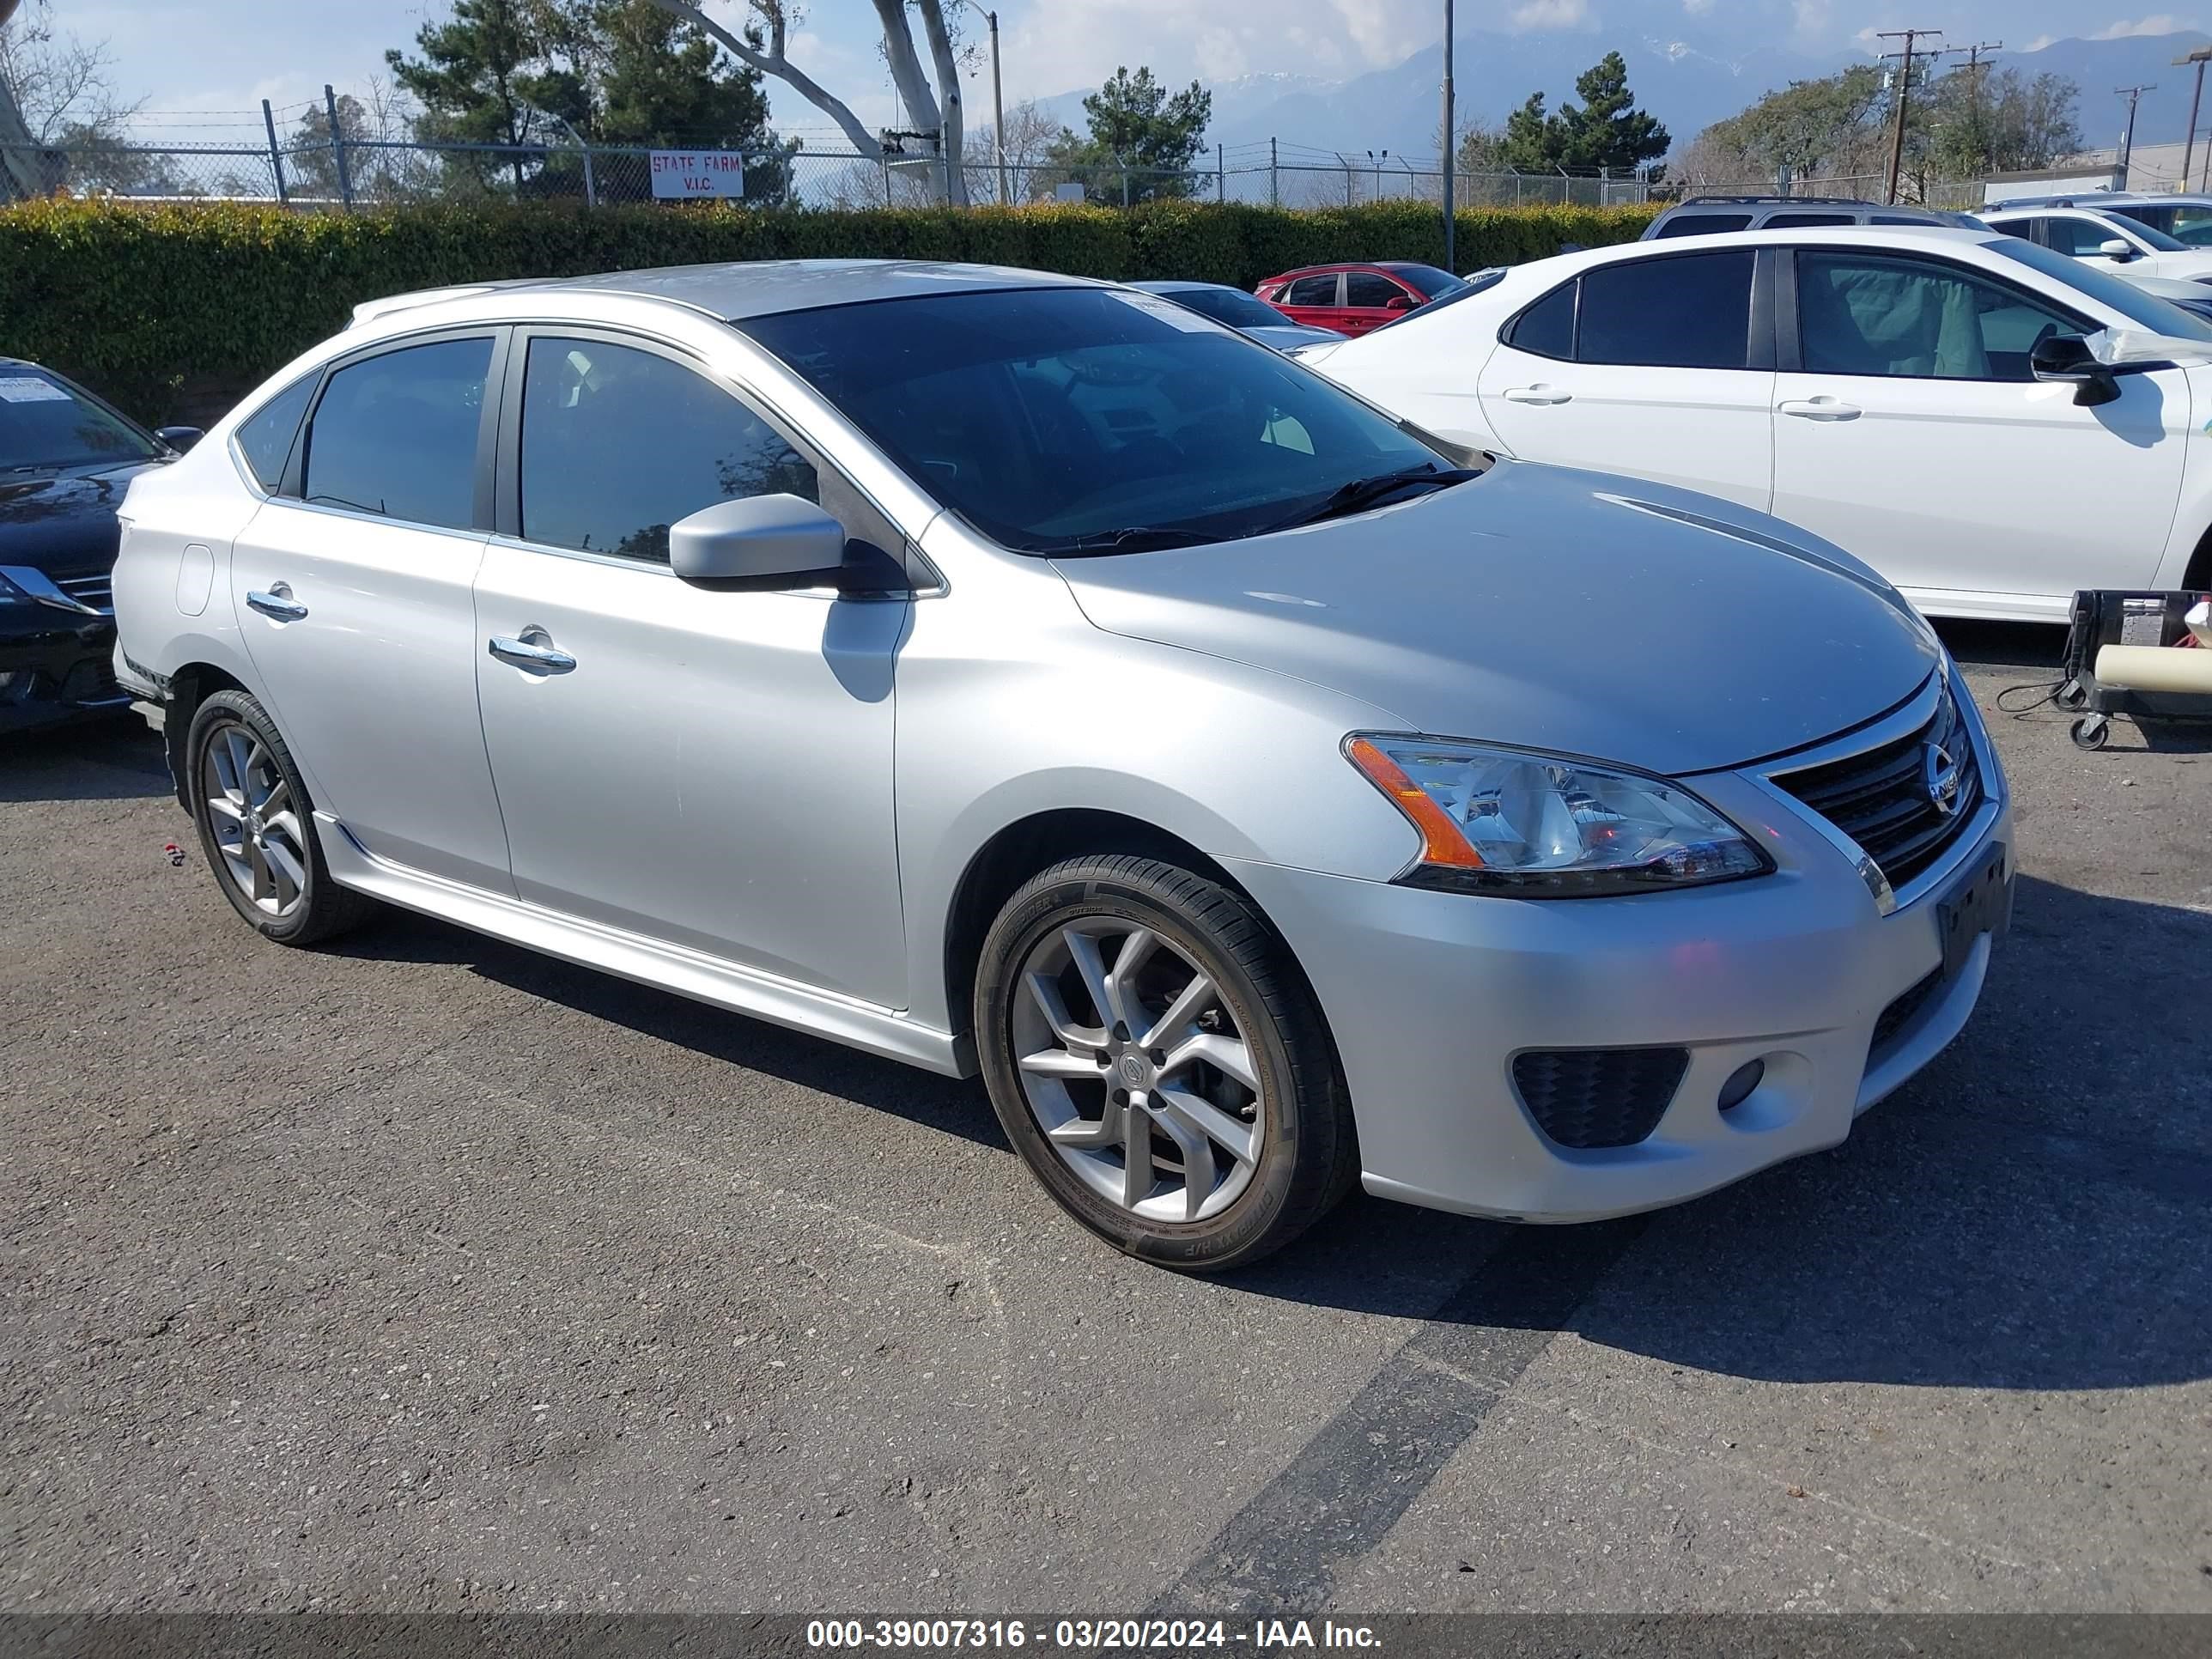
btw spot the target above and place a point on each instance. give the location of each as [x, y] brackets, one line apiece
[421, 1274]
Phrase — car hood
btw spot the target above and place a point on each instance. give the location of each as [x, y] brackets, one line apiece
[64, 526]
[1548, 608]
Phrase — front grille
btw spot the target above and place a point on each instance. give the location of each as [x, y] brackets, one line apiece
[1902, 1010]
[1587, 1099]
[96, 591]
[1882, 799]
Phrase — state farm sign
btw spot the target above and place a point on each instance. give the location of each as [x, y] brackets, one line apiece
[678, 173]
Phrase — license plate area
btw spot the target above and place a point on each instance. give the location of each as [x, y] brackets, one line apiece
[1978, 903]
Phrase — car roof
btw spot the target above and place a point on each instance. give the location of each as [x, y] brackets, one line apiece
[761, 288]
[1341, 264]
[1179, 285]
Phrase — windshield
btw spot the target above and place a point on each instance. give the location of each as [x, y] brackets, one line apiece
[1057, 419]
[2147, 233]
[2189, 224]
[1432, 284]
[2142, 309]
[1229, 305]
[46, 426]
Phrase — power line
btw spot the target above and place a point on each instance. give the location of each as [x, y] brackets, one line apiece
[2128, 138]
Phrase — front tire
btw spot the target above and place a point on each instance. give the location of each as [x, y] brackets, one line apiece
[257, 821]
[1156, 1059]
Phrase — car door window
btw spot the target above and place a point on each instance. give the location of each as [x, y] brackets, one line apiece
[2081, 238]
[2024, 228]
[264, 438]
[617, 444]
[1370, 290]
[1546, 329]
[1810, 220]
[1687, 310]
[1917, 319]
[1312, 291]
[397, 434]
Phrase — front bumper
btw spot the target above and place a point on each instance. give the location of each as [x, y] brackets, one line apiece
[54, 666]
[1431, 995]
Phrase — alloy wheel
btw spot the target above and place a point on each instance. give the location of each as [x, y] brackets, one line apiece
[255, 822]
[1134, 1066]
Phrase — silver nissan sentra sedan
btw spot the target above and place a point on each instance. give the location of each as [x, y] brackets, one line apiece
[1023, 675]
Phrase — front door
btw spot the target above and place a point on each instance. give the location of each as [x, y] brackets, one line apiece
[1909, 430]
[708, 768]
[352, 592]
[1649, 367]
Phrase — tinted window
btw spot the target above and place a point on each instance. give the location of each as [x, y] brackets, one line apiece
[1809, 220]
[1691, 311]
[2116, 293]
[1231, 307]
[2079, 236]
[1917, 319]
[1546, 328]
[1055, 418]
[2022, 227]
[617, 444]
[1312, 291]
[1702, 224]
[1964, 221]
[397, 434]
[1481, 282]
[44, 425]
[265, 441]
[1368, 290]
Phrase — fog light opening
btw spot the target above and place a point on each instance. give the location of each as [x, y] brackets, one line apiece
[1741, 1083]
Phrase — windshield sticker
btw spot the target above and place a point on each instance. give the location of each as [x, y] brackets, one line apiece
[1169, 312]
[29, 389]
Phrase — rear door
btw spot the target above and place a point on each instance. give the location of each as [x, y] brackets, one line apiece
[352, 592]
[1660, 367]
[1911, 431]
[1316, 301]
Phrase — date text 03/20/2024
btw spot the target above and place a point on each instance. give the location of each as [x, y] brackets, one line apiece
[1086, 1635]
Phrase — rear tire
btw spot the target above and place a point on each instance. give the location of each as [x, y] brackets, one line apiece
[256, 825]
[1154, 1055]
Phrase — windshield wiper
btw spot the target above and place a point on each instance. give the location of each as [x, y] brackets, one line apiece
[1363, 493]
[1135, 538]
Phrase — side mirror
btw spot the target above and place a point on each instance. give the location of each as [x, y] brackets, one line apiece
[2065, 360]
[761, 538]
[2116, 249]
[179, 438]
[1399, 302]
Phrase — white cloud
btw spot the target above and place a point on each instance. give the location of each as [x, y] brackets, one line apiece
[1696, 7]
[1812, 16]
[2164, 23]
[1550, 14]
[2038, 43]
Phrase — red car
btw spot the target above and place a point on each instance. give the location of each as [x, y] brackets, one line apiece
[1352, 299]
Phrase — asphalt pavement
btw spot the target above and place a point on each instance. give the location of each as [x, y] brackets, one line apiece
[422, 1273]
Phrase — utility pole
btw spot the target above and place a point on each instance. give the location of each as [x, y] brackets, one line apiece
[2128, 138]
[998, 105]
[2189, 143]
[1903, 97]
[1973, 56]
[1450, 264]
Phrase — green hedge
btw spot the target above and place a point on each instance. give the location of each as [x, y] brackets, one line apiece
[159, 306]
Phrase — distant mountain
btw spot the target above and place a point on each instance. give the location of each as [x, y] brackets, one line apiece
[1689, 80]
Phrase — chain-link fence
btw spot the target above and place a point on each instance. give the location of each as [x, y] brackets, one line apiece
[363, 172]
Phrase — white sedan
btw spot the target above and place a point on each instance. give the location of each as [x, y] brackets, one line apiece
[1989, 424]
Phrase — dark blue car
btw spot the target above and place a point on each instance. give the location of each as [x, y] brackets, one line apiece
[65, 460]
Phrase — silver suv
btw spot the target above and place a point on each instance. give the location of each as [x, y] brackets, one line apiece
[1015, 674]
[1708, 215]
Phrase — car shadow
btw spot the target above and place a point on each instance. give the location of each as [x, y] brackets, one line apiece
[1984, 1227]
[956, 1106]
[1996, 1224]
[106, 758]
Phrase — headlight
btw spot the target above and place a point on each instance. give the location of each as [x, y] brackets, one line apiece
[1510, 822]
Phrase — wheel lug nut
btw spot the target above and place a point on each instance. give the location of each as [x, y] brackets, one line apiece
[1159, 1056]
[1103, 1058]
[1120, 1032]
[1121, 1097]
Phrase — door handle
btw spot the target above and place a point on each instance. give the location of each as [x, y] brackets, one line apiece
[1822, 407]
[278, 603]
[538, 655]
[1538, 393]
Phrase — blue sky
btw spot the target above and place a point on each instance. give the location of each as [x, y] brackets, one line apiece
[203, 60]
